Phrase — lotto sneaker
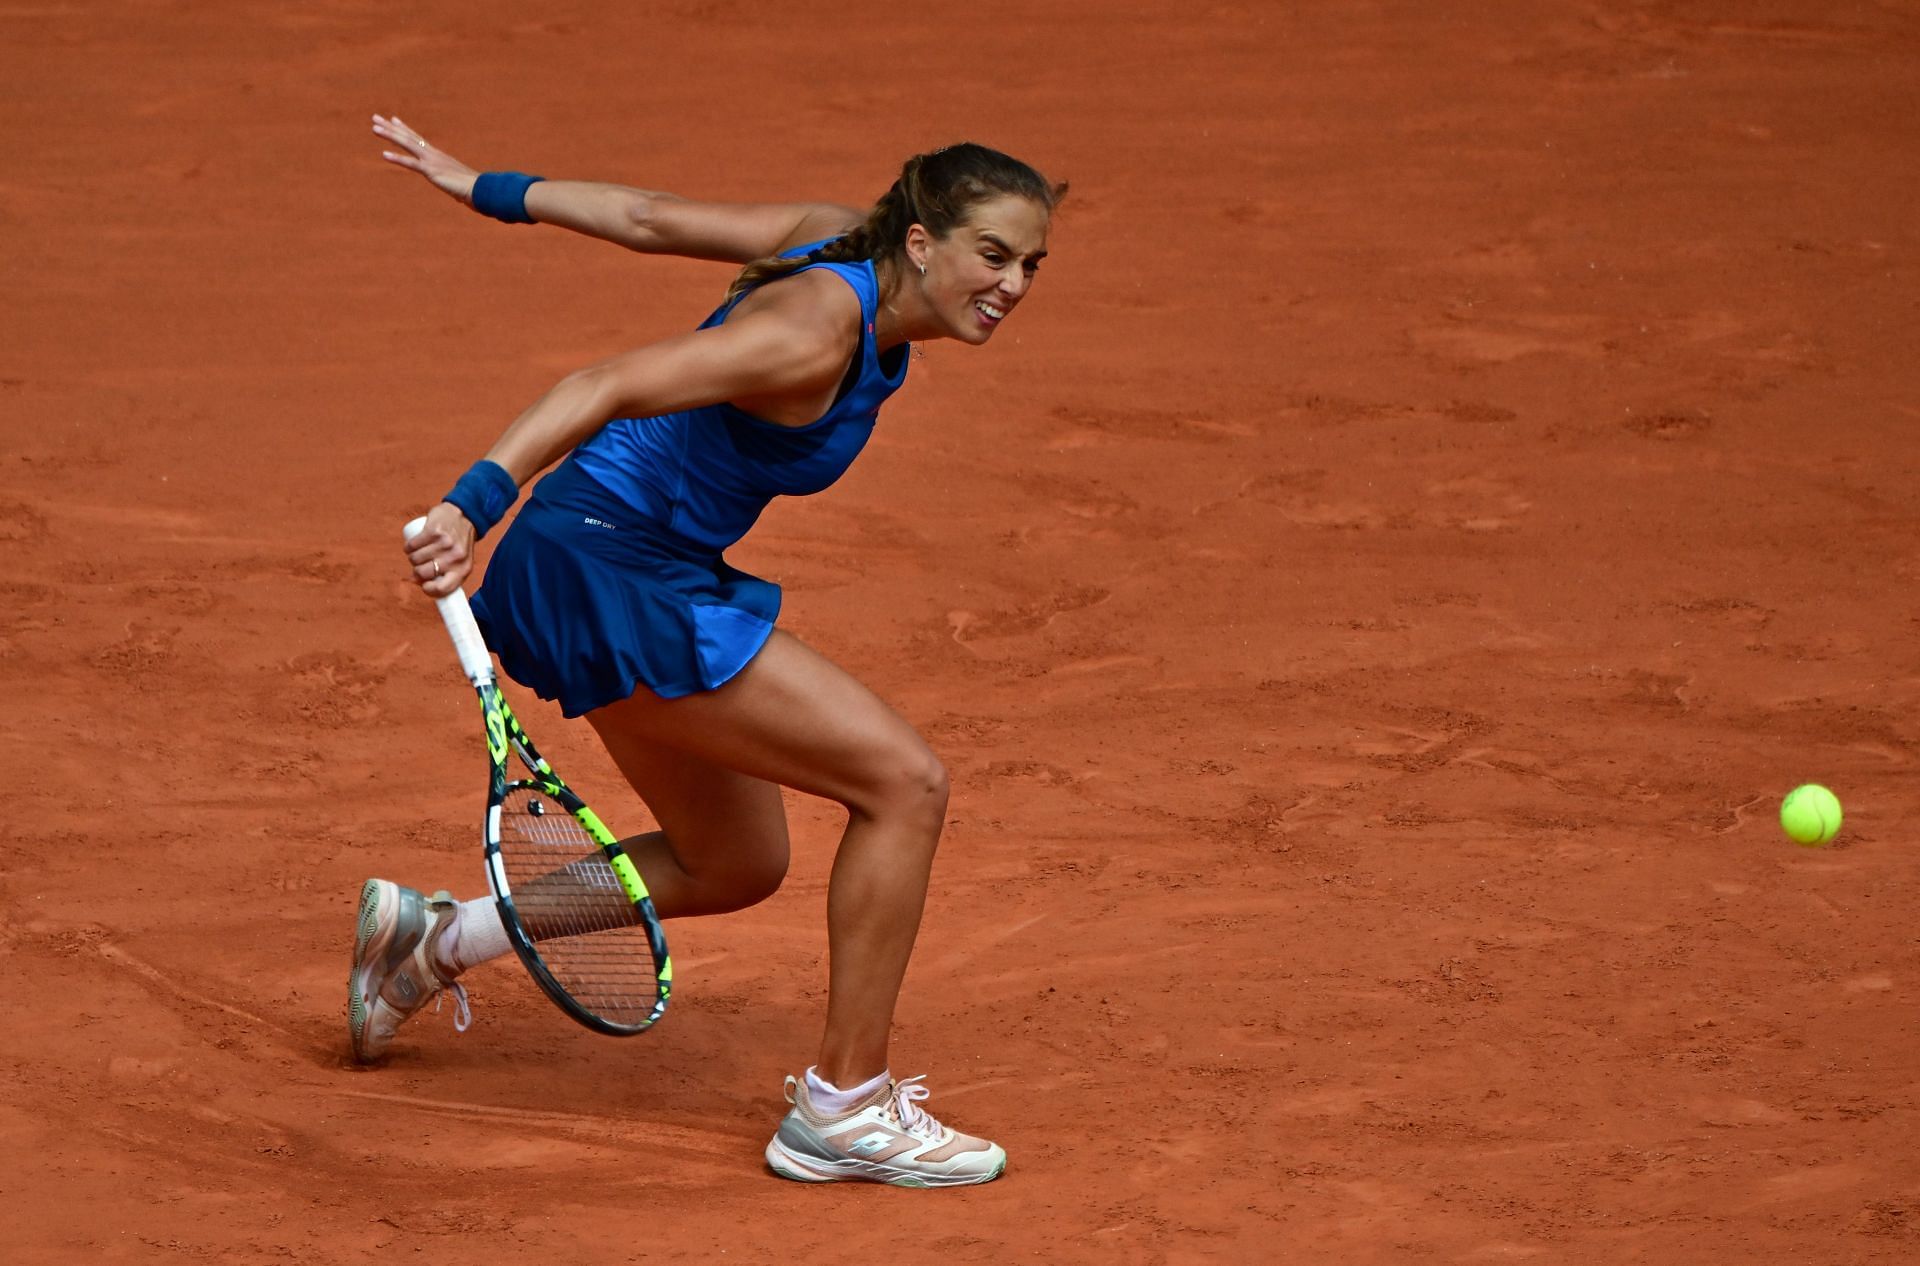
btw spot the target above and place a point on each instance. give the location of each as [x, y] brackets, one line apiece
[395, 972]
[888, 1138]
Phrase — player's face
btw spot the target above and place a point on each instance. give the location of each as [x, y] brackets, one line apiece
[980, 272]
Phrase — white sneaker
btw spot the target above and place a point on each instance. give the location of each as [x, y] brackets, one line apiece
[394, 968]
[888, 1138]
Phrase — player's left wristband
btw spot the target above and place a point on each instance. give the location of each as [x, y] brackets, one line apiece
[503, 195]
[484, 494]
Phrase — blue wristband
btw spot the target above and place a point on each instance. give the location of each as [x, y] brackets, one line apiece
[483, 494]
[503, 195]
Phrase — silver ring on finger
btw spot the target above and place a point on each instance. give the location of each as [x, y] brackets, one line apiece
[436, 567]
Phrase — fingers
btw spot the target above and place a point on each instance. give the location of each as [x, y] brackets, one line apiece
[399, 133]
[445, 172]
[413, 146]
[432, 570]
[442, 585]
[440, 554]
[437, 579]
[434, 547]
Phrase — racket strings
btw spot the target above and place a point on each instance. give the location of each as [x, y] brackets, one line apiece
[572, 906]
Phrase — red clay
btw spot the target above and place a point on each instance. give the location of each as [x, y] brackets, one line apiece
[1455, 475]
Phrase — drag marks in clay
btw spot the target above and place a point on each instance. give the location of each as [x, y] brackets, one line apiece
[970, 627]
[1084, 427]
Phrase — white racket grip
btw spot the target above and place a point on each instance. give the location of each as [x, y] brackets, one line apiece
[458, 617]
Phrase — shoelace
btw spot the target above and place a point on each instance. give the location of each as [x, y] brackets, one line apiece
[908, 1095]
[462, 1013]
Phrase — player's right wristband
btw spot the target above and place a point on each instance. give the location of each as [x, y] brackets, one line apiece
[484, 494]
[503, 195]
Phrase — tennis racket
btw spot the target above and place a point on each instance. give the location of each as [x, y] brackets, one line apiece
[574, 906]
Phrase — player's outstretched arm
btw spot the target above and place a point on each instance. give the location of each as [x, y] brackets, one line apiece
[645, 220]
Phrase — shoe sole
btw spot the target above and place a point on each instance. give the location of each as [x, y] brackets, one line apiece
[787, 1165]
[369, 948]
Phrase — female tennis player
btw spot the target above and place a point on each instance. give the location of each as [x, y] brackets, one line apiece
[609, 594]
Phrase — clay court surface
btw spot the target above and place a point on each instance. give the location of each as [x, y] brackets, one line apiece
[1456, 473]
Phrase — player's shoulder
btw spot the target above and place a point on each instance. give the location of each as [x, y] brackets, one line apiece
[813, 300]
[806, 322]
[819, 223]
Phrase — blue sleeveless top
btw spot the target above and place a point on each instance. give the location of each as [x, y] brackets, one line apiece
[705, 474]
[611, 575]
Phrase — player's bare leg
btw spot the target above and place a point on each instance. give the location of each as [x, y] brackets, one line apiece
[793, 718]
[722, 843]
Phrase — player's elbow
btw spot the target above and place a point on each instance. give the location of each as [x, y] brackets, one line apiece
[599, 393]
[639, 218]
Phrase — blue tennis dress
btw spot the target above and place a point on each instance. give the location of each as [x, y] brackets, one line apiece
[611, 577]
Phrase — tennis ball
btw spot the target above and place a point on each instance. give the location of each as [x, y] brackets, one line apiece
[1810, 815]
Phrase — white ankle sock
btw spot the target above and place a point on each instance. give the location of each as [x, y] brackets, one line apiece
[478, 935]
[833, 1101]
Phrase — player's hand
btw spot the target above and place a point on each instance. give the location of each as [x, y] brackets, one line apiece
[441, 553]
[448, 174]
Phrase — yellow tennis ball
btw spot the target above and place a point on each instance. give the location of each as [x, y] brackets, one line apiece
[1810, 815]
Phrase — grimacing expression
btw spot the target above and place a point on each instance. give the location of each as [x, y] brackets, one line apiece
[980, 272]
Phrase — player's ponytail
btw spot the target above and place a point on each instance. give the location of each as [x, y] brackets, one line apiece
[936, 190]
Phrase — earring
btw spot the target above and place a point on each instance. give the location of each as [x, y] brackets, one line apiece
[923, 270]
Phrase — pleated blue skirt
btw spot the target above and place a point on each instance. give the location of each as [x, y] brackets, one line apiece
[584, 609]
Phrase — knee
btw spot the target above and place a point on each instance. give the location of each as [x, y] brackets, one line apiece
[760, 879]
[744, 880]
[911, 783]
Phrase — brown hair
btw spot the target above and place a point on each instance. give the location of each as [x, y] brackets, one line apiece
[936, 190]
